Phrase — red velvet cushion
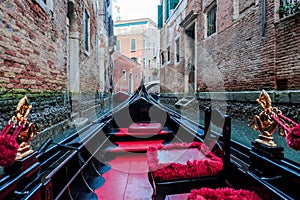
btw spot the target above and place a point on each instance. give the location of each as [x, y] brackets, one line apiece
[222, 194]
[196, 162]
[145, 127]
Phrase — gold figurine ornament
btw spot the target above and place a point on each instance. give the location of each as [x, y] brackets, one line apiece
[28, 130]
[16, 135]
[267, 121]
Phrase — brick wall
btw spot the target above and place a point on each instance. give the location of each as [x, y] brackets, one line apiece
[238, 57]
[32, 46]
[246, 53]
[288, 52]
[89, 69]
[124, 63]
[34, 58]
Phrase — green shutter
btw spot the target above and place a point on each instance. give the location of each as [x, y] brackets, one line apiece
[173, 4]
[159, 16]
[167, 11]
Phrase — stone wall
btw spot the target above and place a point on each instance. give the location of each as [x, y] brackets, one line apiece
[48, 108]
[242, 105]
[51, 112]
[288, 52]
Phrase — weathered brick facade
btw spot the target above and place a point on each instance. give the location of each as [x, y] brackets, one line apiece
[44, 54]
[32, 46]
[35, 45]
[251, 49]
[288, 53]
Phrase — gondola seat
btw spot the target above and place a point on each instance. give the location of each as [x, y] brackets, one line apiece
[222, 193]
[180, 167]
[145, 127]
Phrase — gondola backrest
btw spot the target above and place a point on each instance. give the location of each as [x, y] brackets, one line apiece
[223, 121]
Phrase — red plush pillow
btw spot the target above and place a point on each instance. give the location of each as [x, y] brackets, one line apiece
[208, 164]
[145, 127]
[223, 194]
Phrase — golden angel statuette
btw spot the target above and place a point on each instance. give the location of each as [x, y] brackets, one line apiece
[16, 135]
[272, 119]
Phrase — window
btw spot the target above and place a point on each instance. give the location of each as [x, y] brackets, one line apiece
[162, 58]
[136, 78]
[149, 63]
[177, 51]
[134, 59]
[144, 62]
[235, 9]
[170, 5]
[211, 20]
[159, 16]
[132, 44]
[153, 49]
[288, 7]
[118, 46]
[86, 30]
[124, 74]
[168, 54]
[46, 5]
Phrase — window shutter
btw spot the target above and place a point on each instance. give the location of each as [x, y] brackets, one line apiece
[173, 4]
[159, 17]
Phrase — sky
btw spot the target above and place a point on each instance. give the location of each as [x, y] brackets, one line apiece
[135, 9]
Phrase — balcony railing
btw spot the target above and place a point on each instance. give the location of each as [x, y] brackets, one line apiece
[288, 7]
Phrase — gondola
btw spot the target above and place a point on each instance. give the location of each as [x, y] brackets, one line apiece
[74, 168]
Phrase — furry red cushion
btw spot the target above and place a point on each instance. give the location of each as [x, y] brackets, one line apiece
[8, 150]
[222, 194]
[196, 168]
[293, 138]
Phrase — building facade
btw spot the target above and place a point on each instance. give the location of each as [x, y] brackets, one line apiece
[127, 74]
[138, 40]
[230, 45]
[54, 51]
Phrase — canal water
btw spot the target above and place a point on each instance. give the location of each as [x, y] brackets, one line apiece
[240, 131]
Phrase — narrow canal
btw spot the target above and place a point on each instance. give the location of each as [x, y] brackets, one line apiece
[241, 132]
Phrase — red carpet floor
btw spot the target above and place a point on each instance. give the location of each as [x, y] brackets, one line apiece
[128, 180]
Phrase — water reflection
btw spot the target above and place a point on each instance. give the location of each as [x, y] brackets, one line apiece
[240, 130]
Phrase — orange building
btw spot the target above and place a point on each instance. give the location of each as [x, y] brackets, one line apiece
[138, 39]
[127, 74]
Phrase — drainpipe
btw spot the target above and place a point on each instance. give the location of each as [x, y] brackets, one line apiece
[263, 17]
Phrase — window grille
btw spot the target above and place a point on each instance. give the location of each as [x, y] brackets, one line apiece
[288, 7]
[118, 46]
[168, 54]
[133, 44]
[177, 50]
[211, 20]
[124, 74]
[86, 30]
